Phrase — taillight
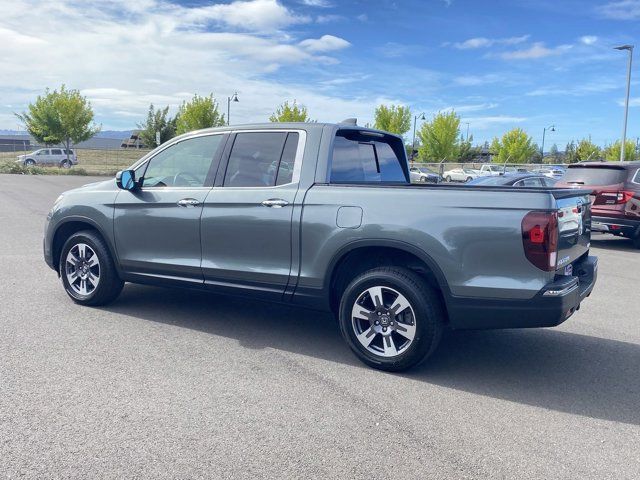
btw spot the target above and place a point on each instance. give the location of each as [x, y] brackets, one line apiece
[540, 239]
[617, 197]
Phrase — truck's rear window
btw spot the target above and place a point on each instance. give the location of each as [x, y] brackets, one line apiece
[359, 159]
[594, 175]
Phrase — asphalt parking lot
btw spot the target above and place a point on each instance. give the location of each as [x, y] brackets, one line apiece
[179, 384]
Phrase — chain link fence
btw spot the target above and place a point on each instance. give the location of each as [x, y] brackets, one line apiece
[92, 161]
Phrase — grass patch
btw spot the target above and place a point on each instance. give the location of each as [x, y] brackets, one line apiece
[19, 169]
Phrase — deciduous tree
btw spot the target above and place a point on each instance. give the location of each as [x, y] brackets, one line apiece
[157, 121]
[394, 119]
[290, 113]
[440, 137]
[612, 152]
[199, 112]
[515, 146]
[587, 150]
[62, 116]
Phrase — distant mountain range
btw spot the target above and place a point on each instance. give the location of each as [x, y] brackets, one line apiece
[119, 134]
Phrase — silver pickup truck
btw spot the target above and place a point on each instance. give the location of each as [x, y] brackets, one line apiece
[324, 216]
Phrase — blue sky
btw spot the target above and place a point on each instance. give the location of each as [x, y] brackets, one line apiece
[499, 64]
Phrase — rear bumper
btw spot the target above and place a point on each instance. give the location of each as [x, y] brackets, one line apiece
[554, 304]
[615, 225]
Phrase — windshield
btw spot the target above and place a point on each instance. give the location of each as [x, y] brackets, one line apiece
[488, 181]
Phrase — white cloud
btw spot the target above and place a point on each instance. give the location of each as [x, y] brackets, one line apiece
[124, 55]
[471, 107]
[255, 15]
[317, 3]
[590, 88]
[620, 10]
[326, 43]
[484, 123]
[537, 50]
[633, 102]
[588, 39]
[476, 80]
[482, 42]
[363, 17]
[329, 18]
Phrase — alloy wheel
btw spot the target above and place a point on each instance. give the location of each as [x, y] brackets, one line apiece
[383, 321]
[82, 269]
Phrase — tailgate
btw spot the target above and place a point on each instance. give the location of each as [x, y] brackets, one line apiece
[574, 229]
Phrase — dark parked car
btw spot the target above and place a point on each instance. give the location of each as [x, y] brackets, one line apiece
[516, 180]
[615, 197]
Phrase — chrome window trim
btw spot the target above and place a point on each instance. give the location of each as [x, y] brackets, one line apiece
[636, 177]
[297, 161]
[146, 159]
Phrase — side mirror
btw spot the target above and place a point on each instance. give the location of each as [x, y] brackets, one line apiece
[126, 180]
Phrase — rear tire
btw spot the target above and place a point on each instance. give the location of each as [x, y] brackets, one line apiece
[636, 241]
[65, 164]
[468, 179]
[87, 270]
[447, 178]
[391, 318]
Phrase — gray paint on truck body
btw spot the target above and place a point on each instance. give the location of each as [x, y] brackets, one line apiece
[470, 237]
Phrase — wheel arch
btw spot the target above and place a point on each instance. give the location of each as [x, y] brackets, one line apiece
[72, 225]
[359, 256]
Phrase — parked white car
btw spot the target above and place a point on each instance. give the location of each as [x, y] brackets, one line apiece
[550, 172]
[461, 175]
[49, 156]
[491, 170]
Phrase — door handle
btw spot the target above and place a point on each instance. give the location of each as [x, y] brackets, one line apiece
[188, 202]
[275, 203]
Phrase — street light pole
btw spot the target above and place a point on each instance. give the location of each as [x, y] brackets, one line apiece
[626, 102]
[413, 142]
[233, 98]
[551, 128]
[467, 139]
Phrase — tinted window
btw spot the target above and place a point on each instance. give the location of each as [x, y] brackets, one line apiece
[254, 159]
[359, 159]
[56, 151]
[531, 182]
[287, 162]
[594, 175]
[185, 164]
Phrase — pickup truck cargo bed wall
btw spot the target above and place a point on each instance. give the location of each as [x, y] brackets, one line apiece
[478, 258]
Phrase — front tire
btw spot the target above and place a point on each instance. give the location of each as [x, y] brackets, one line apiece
[636, 241]
[29, 162]
[87, 270]
[468, 179]
[391, 318]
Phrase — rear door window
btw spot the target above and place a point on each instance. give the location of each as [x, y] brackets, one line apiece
[636, 179]
[56, 151]
[359, 159]
[594, 175]
[261, 159]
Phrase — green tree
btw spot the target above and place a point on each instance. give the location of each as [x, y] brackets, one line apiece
[200, 112]
[467, 151]
[571, 153]
[515, 146]
[612, 152]
[62, 116]
[157, 121]
[394, 119]
[440, 137]
[290, 113]
[587, 150]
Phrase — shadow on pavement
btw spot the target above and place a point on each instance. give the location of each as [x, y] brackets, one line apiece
[546, 368]
[613, 243]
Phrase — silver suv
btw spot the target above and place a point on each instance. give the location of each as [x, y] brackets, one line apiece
[49, 156]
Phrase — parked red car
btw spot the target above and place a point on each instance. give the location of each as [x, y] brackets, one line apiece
[615, 197]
